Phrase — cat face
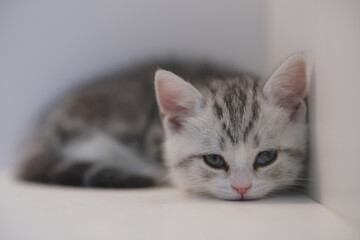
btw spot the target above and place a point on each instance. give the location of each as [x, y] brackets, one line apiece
[235, 138]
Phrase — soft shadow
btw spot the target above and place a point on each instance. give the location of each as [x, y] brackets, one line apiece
[313, 188]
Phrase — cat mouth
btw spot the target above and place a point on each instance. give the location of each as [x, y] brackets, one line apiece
[244, 199]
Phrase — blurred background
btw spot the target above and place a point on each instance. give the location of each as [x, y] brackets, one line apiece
[48, 46]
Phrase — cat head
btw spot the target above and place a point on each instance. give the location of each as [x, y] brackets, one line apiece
[235, 138]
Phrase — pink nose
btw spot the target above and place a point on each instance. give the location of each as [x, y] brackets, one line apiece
[242, 190]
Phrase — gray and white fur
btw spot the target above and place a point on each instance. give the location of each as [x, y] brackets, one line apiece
[122, 132]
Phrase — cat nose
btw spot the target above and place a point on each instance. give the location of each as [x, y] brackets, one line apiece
[242, 189]
[241, 181]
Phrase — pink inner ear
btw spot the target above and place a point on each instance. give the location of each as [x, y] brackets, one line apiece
[287, 86]
[292, 89]
[173, 102]
[171, 107]
[176, 98]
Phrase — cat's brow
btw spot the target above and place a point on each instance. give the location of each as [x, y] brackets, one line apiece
[294, 153]
[187, 161]
[222, 143]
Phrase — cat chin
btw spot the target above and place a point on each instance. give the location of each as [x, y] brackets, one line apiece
[232, 196]
[228, 196]
[237, 197]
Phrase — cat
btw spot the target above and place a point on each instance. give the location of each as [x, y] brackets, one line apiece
[223, 134]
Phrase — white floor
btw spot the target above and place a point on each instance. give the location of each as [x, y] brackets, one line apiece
[41, 212]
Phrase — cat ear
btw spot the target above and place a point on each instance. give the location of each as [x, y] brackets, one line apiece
[176, 98]
[287, 85]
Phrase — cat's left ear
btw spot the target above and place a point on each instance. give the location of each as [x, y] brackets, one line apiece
[177, 99]
[287, 85]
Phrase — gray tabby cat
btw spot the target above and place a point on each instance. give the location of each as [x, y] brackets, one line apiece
[226, 134]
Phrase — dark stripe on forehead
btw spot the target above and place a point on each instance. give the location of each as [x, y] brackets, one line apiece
[256, 140]
[222, 143]
[243, 100]
[228, 98]
[250, 126]
[228, 133]
[231, 136]
[254, 113]
[218, 110]
[235, 99]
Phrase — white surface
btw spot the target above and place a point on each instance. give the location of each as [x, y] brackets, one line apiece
[330, 32]
[41, 212]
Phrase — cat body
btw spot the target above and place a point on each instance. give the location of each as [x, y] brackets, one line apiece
[223, 133]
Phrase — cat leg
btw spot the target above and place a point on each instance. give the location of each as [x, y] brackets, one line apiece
[100, 161]
[90, 174]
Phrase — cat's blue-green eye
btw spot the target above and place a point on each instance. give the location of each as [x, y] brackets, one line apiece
[215, 161]
[265, 158]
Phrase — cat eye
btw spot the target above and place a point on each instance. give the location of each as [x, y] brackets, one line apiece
[265, 158]
[215, 161]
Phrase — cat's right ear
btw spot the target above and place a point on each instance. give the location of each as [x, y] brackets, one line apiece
[176, 98]
[287, 85]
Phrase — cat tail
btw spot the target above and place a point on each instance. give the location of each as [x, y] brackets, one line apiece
[126, 170]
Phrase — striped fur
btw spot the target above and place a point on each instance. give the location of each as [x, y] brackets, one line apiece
[109, 133]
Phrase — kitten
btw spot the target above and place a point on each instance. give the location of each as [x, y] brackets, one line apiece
[225, 134]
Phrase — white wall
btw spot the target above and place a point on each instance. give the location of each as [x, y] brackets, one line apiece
[46, 46]
[329, 31]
